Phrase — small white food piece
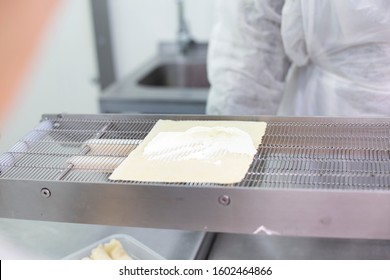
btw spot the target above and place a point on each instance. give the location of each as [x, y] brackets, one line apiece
[112, 250]
[99, 253]
[115, 249]
[95, 162]
[113, 147]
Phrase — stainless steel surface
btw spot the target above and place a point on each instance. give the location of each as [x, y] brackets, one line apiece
[183, 34]
[22, 239]
[325, 177]
[103, 43]
[169, 83]
[253, 247]
[188, 75]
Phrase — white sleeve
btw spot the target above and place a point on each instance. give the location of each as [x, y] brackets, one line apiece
[247, 64]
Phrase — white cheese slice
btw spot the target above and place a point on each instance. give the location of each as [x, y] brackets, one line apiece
[193, 151]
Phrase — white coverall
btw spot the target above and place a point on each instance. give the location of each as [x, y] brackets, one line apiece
[300, 57]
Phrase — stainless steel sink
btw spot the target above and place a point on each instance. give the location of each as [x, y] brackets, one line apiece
[170, 83]
[179, 75]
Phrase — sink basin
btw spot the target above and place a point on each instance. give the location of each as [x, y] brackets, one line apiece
[182, 75]
[169, 83]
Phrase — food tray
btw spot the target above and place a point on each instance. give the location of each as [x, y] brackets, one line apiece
[133, 248]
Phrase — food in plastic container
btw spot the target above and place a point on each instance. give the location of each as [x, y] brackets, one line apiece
[115, 247]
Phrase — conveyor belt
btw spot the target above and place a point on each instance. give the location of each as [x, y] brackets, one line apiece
[312, 162]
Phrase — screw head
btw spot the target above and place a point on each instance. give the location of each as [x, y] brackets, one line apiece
[45, 192]
[224, 200]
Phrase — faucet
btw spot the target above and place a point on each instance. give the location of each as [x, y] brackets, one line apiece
[184, 38]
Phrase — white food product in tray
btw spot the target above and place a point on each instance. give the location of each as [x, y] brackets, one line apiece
[135, 249]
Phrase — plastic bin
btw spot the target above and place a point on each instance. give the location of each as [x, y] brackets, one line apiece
[133, 248]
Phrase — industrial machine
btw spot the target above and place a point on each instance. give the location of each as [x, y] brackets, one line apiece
[311, 177]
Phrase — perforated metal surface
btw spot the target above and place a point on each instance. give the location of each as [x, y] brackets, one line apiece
[295, 153]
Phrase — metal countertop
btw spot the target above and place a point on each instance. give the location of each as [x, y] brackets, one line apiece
[22, 239]
[255, 247]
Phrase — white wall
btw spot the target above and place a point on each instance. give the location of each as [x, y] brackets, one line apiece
[138, 26]
[60, 77]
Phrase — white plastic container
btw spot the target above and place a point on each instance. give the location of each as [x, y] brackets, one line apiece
[133, 248]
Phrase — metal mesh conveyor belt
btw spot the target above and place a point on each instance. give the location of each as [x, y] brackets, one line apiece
[339, 155]
[307, 156]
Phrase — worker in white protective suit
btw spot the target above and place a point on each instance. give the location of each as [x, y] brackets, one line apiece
[300, 57]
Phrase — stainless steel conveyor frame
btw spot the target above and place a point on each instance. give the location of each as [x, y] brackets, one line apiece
[311, 176]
